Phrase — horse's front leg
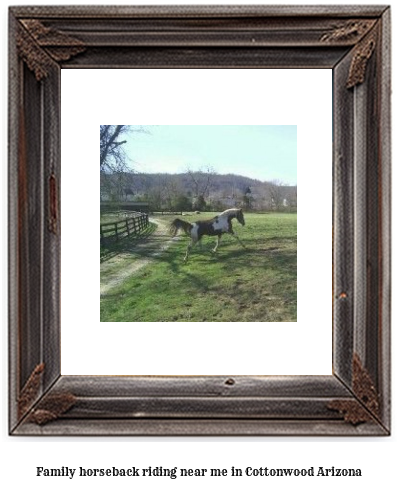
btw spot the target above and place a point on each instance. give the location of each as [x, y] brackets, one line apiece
[217, 244]
[238, 239]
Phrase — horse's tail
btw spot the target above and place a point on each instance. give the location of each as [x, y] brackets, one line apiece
[178, 224]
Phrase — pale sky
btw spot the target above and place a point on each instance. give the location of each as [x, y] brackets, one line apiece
[260, 152]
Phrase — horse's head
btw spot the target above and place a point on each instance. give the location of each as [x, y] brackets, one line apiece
[240, 217]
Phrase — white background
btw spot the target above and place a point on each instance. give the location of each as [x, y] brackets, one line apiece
[19, 456]
[217, 97]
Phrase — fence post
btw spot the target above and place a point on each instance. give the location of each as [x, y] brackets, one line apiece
[133, 225]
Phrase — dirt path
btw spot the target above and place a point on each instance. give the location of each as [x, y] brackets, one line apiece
[135, 257]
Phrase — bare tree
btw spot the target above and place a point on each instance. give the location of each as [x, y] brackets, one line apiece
[113, 157]
[114, 161]
[170, 188]
[112, 153]
[202, 181]
[278, 191]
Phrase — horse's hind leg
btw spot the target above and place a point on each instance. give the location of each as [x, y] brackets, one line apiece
[191, 244]
[187, 252]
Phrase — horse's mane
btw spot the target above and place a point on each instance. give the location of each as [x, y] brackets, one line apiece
[230, 211]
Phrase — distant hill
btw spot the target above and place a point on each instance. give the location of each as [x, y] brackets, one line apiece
[141, 182]
[218, 191]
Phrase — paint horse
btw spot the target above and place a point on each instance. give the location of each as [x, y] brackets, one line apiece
[217, 226]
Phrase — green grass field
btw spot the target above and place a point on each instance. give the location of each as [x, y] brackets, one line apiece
[257, 283]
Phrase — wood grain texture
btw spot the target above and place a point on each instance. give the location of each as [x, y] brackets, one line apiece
[209, 386]
[384, 144]
[336, 38]
[206, 11]
[51, 252]
[214, 57]
[343, 175]
[14, 92]
[200, 427]
[30, 230]
[197, 31]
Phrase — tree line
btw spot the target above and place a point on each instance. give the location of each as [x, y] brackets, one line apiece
[177, 192]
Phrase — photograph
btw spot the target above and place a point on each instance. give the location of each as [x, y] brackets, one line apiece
[198, 223]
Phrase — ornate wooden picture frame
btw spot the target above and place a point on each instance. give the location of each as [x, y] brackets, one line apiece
[352, 41]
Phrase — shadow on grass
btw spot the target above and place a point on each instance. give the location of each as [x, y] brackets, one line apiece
[261, 258]
[234, 258]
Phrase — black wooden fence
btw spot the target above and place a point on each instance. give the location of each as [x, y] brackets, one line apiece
[116, 231]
